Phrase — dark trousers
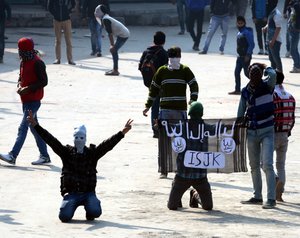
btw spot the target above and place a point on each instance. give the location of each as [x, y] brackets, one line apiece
[198, 17]
[240, 64]
[180, 185]
[260, 23]
[2, 29]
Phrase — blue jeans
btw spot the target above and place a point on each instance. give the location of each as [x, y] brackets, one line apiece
[154, 111]
[274, 56]
[182, 14]
[72, 201]
[260, 150]
[281, 146]
[118, 44]
[23, 129]
[294, 36]
[96, 35]
[2, 43]
[240, 64]
[215, 22]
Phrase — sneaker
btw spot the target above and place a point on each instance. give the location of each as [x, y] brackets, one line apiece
[98, 54]
[181, 32]
[260, 52]
[254, 201]
[92, 53]
[287, 54]
[89, 218]
[41, 160]
[266, 52]
[202, 52]
[8, 158]
[195, 47]
[295, 70]
[270, 204]
[221, 52]
[71, 62]
[163, 176]
[235, 93]
[56, 61]
[193, 201]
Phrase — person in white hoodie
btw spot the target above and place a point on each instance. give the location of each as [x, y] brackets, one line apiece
[113, 28]
[284, 115]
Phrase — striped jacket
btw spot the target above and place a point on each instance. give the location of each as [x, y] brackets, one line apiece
[171, 86]
[284, 113]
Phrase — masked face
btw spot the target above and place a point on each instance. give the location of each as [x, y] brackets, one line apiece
[174, 63]
[79, 138]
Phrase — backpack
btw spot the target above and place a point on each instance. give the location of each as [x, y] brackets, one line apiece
[148, 68]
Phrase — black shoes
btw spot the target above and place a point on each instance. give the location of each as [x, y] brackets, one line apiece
[270, 204]
[253, 201]
[71, 62]
[235, 93]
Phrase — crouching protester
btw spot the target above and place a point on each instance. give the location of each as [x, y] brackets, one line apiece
[196, 177]
[78, 178]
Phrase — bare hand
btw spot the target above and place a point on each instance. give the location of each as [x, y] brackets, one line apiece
[127, 126]
[145, 112]
[112, 49]
[31, 119]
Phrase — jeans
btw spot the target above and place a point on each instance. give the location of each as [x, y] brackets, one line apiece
[118, 44]
[274, 56]
[261, 36]
[71, 201]
[182, 14]
[96, 35]
[215, 22]
[179, 187]
[198, 17]
[294, 48]
[2, 42]
[288, 40]
[240, 64]
[23, 129]
[281, 146]
[154, 111]
[260, 150]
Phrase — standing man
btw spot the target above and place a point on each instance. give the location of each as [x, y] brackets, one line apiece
[285, 105]
[182, 15]
[32, 80]
[5, 15]
[245, 46]
[219, 10]
[294, 32]
[259, 17]
[88, 10]
[256, 105]
[171, 81]
[152, 58]
[195, 10]
[113, 28]
[61, 10]
[273, 29]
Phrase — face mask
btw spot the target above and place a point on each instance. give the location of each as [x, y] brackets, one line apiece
[174, 63]
[80, 138]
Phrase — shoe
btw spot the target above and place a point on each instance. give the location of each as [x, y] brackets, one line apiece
[8, 158]
[181, 33]
[202, 52]
[155, 135]
[1, 60]
[270, 204]
[260, 52]
[56, 62]
[254, 201]
[71, 62]
[89, 218]
[163, 176]
[266, 52]
[112, 72]
[295, 70]
[92, 53]
[195, 47]
[98, 54]
[235, 93]
[279, 190]
[287, 54]
[41, 160]
[193, 201]
[221, 52]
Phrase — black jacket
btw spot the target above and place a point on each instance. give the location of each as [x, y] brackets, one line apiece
[79, 170]
[161, 53]
[61, 9]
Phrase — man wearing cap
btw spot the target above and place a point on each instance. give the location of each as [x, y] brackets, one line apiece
[32, 79]
[171, 81]
[186, 177]
[256, 106]
[79, 173]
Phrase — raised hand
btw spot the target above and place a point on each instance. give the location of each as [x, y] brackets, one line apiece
[127, 126]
